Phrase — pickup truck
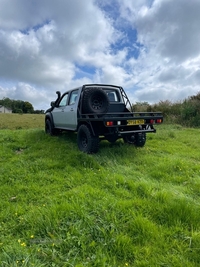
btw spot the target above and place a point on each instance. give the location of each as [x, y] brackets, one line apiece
[99, 112]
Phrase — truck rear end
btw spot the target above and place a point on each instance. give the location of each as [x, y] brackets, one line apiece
[117, 119]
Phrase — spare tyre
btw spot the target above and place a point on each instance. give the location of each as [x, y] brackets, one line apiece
[95, 100]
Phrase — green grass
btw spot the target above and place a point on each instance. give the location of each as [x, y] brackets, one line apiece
[21, 121]
[124, 206]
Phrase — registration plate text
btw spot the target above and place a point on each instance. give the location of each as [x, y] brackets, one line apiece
[135, 122]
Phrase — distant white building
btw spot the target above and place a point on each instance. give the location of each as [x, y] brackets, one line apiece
[5, 110]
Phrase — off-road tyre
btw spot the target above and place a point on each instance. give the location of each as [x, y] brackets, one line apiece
[49, 128]
[95, 100]
[138, 139]
[129, 139]
[87, 143]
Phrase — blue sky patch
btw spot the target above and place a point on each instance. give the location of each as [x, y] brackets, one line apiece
[35, 28]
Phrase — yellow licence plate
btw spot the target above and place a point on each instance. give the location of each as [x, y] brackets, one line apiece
[135, 122]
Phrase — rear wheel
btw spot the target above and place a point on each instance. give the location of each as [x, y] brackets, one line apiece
[86, 141]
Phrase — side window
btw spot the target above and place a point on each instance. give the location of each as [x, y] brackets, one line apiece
[73, 97]
[63, 101]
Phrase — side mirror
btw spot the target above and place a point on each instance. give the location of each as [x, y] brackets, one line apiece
[53, 104]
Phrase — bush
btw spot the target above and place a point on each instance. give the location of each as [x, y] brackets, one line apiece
[186, 113]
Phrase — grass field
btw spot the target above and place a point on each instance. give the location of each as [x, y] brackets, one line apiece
[21, 121]
[124, 206]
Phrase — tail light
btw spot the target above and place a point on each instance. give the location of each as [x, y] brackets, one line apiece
[155, 121]
[109, 123]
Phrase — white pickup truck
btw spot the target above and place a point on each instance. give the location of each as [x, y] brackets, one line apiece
[99, 112]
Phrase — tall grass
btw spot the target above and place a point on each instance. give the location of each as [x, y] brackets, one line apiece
[124, 206]
[21, 121]
[186, 113]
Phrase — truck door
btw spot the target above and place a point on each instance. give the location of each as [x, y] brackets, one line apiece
[65, 115]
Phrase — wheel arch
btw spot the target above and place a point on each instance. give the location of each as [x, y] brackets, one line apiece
[49, 117]
[89, 125]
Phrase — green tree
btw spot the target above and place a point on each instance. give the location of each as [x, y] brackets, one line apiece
[27, 107]
[7, 102]
[17, 106]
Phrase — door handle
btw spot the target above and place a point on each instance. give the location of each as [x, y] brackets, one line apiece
[71, 109]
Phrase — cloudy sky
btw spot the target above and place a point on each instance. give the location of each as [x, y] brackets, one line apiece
[150, 47]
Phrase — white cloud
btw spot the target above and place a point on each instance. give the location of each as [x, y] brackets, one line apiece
[168, 67]
[48, 46]
[41, 45]
[172, 27]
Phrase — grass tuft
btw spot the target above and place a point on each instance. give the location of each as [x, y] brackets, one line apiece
[124, 206]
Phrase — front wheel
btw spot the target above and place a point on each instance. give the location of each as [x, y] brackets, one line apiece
[49, 129]
[138, 139]
[86, 141]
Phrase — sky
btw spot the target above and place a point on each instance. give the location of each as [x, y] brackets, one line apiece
[149, 47]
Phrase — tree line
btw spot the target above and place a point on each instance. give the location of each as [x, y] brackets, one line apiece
[186, 112]
[19, 106]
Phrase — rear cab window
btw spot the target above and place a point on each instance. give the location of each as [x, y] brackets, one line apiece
[113, 95]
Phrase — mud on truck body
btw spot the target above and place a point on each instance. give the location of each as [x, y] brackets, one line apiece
[99, 112]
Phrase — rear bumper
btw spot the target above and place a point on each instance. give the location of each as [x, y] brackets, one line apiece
[137, 131]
